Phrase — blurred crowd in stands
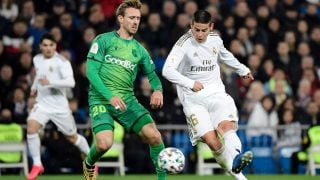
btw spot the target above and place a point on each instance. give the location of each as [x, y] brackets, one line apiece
[279, 40]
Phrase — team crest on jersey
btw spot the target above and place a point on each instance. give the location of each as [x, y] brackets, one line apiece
[195, 54]
[50, 69]
[214, 50]
[94, 48]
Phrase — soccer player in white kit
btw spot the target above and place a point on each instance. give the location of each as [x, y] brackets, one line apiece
[193, 65]
[54, 76]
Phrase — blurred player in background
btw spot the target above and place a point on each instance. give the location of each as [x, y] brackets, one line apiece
[54, 76]
[113, 62]
[211, 113]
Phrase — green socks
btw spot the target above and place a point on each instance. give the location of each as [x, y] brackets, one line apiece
[154, 152]
[93, 155]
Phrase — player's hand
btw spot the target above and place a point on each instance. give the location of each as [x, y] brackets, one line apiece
[248, 76]
[118, 103]
[197, 86]
[33, 93]
[156, 100]
[44, 81]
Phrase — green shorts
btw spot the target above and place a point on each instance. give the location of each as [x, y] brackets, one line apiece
[132, 119]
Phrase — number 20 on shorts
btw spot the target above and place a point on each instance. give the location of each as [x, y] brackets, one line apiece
[98, 109]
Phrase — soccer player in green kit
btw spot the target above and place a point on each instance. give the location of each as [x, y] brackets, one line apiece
[112, 65]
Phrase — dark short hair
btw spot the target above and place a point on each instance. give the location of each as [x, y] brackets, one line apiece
[201, 16]
[47, 36]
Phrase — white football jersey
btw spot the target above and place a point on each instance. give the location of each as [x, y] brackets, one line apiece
[189, 61]
[59, 72]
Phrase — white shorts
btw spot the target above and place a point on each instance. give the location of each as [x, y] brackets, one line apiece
[64, 120]
[204, 113]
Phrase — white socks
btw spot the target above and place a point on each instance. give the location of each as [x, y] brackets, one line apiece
[34, 148]
[230, 149]
[82, 144]
[232, 143]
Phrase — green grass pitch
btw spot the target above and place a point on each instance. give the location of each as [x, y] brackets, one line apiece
[171, 177]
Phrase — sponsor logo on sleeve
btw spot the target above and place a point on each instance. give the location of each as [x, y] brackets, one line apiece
[94, 48]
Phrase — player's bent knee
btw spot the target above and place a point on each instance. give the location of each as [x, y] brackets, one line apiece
[154, 138]
[33, 126]
[212, 140]
[103, 146]
[226, 126]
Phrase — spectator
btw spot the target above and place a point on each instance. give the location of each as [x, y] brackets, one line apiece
[240, 12]
[168, 14]
[9, 10]
[37, 29]
[238, 50]
[266, 70]
[254, 63]
[303, 93]
[315, 44]
[310, 74]
[264, 119]
[279, 93]
[278, 74]
[181, 27]
[68, 30]
[23, 66]
[7, 84]
[58, 8]
[263, 16]
[190, 7]
[82, 86]
[254, 95]
[256, 34]
[57, 35]
[17, 40]
[275, 34]
[285, 60]
[154, 34]
[303, 30]
[27, 12]
[19, 106]
[228, 30]
[303, 50]
[311, 14]
[260, 51]
[80, 115]
[96, 20]
[290, 133]
[82, 47]
[311, 115]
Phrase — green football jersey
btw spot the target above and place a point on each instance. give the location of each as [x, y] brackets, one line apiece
[119, 61]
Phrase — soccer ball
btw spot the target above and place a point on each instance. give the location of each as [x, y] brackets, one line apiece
[171, 160]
